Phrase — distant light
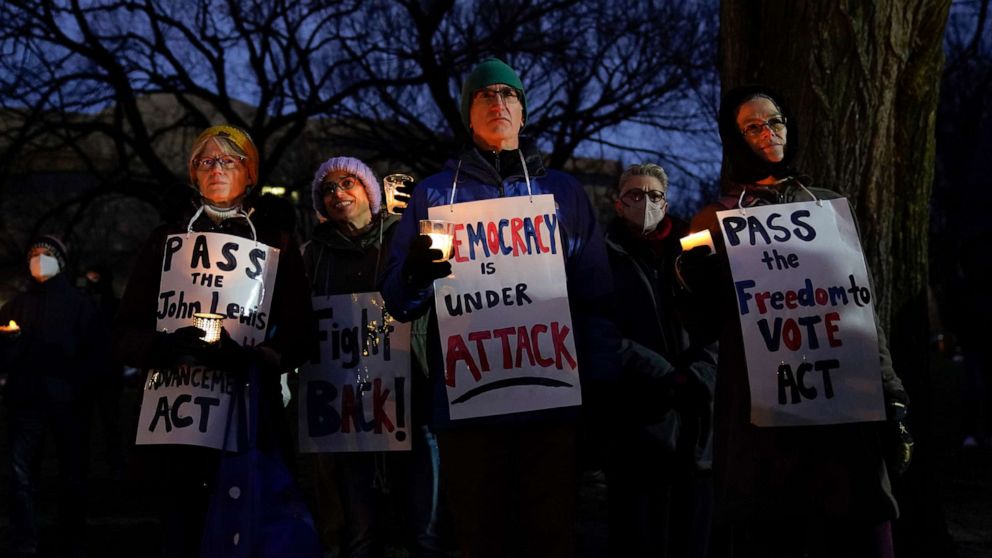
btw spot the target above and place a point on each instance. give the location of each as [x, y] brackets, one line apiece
[274, 190]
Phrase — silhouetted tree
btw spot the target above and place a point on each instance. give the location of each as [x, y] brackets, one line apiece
[137, 78]
[864, 80]
[117, 89]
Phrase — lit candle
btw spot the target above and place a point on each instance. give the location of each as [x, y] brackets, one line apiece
[211, 324]
[442, 242]
[10, 327]
[441, 233]
[701, 238]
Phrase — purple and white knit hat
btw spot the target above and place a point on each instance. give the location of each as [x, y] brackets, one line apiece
[353, 166]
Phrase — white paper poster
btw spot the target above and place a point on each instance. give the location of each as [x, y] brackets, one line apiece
[215, 273]
[190, 405]
[806, 313]
[355, 394]
[503, 315]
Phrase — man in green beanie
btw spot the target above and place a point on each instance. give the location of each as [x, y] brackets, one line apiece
[497, 124]
[511, 471]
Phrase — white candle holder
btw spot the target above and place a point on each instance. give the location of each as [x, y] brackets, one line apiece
[211, 324]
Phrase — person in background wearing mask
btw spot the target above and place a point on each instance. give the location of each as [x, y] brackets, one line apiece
[658, 464]
[48, 362]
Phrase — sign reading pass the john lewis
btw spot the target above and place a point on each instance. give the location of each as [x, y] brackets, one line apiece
[205, 272]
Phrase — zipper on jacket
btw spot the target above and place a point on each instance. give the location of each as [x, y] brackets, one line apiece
[499, 173]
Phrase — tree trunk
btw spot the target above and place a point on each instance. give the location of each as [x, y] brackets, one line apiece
[862, 78]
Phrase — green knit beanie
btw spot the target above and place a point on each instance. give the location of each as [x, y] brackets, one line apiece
[489, 72]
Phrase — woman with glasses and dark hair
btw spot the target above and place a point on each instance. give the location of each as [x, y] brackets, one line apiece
[154, 332]
[821, 488]
[657, 466]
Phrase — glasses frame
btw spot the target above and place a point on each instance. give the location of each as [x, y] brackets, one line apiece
[328, 187]
[637, 194]
[755, 129]
[509, 95]
[218, 161]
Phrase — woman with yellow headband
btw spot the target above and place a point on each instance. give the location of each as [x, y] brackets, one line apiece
[223, 168]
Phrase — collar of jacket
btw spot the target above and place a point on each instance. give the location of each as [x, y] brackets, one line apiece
[761, 194]
[480, 168]
[237, 225]
[329, 235]
[57, 282]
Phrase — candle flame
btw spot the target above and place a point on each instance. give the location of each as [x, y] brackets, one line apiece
[701, 238]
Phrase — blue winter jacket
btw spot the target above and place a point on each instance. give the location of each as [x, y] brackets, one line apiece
[587, 272]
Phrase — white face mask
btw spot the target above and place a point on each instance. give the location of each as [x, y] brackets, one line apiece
[645, 214]
[44, 267]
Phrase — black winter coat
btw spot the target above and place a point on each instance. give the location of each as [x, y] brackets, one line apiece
[53, 357]
[668, 375]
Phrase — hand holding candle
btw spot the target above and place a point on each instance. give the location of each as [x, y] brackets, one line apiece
[441, 233]
[695, 269]
[211, 324]
[421, 268]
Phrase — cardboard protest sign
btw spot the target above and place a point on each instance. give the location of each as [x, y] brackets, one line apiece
[355, 394]
[806, 314]
[220, 274]
[215, 273]
[189, 405]
[503, 315]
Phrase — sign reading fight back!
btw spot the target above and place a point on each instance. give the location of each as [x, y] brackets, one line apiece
[503, 315]
[806, 314]
[355, 394]
[205, 272]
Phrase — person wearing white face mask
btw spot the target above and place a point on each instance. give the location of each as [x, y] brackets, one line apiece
[657, 464]
[48, 364]
[642, 201]
[43, 265]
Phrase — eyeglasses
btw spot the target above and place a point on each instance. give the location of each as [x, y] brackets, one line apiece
[775, 125]
[635, 196]
[509, 95]
[347, 183]
[226, 163]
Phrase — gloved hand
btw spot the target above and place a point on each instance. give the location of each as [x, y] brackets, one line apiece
[402, 196]
[699, 270]
[420, 269]
[899, 443]
[226, 354]
[169, 348]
